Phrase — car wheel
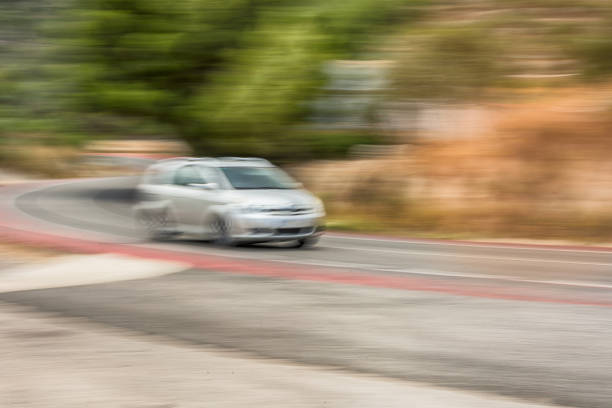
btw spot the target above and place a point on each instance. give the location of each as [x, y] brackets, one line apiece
[307, 242]
[220, 232]
[159, 225]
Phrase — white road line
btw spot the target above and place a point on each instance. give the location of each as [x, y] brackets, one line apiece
[466, 244]
[505, 278]
[494, 258]
[447, 274]
[399, 252]
[383, 268]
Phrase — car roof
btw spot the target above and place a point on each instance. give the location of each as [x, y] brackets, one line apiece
[214, 162]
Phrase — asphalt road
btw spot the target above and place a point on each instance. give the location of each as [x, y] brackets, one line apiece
[556, 347]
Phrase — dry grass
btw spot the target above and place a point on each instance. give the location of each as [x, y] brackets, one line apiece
[39, 160]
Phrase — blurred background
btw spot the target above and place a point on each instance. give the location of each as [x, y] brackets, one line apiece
[473, 120]
[441, 118]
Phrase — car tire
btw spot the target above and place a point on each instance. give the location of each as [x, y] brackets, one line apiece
[220, 232]
[159, 226]
[307, 242]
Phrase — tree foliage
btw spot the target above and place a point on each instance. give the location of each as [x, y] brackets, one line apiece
[229, 76]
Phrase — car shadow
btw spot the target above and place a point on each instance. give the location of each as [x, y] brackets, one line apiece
[264, 246]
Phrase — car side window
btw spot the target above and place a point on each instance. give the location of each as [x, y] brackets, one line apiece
[211, 175]
[188, 175]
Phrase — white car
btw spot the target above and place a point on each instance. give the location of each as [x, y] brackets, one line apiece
[228, 200]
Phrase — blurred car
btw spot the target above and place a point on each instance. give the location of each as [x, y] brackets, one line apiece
[228, 200]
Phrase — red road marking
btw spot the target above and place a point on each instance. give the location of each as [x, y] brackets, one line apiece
[268, 269]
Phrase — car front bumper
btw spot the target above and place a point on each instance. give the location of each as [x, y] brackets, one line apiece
[268, 227]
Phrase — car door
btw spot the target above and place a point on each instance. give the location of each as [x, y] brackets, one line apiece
[191, 202]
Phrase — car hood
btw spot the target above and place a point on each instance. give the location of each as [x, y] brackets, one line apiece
[275, 198]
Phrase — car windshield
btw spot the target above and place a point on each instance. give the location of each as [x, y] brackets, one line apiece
[256, 178]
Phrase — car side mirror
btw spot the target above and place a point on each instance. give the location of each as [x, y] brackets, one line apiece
[204, 186]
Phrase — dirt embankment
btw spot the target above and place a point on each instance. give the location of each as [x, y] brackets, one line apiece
[543, 171]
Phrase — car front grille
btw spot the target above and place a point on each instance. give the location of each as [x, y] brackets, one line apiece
[294, 231]
[291, 211]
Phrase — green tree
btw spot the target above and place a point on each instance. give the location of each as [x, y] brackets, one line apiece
[229, 76]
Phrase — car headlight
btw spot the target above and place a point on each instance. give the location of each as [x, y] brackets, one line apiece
[318, 206]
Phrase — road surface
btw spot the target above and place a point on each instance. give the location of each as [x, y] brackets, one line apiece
[532, 323]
